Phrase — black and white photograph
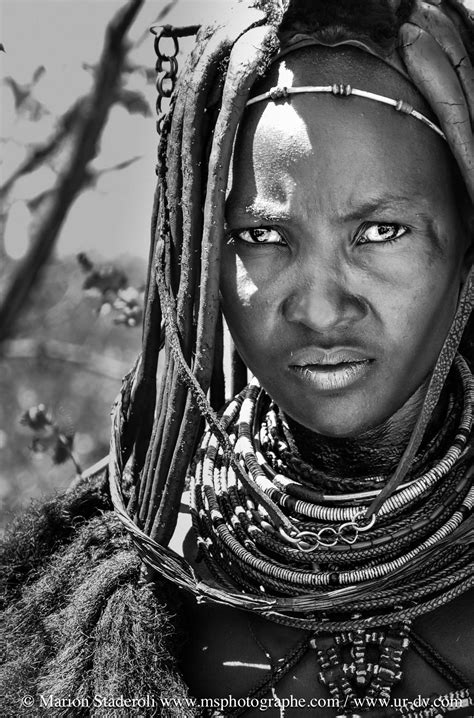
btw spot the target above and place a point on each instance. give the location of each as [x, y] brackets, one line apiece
[236, 358]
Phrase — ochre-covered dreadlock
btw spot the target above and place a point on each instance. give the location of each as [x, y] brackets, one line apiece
[194, 158]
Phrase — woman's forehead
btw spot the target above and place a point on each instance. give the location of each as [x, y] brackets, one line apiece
[341, 147]
[320, 65]
[337, 156]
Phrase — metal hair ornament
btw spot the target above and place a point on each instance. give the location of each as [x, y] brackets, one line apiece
[340, 90]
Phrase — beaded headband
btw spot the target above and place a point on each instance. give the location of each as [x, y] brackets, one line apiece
[340, 90]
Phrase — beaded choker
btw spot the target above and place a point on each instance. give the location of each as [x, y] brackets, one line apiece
[334, 564]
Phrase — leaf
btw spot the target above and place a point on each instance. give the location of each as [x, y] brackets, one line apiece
[38, 74]
[149, 73]
[130, 317]
[39, 446]
[134, 102]
[85, 262]
[62, 449]
[106, 278]
[164, 12]
[37, 418]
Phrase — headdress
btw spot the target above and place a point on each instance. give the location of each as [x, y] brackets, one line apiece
[278, 93]
[154, 434]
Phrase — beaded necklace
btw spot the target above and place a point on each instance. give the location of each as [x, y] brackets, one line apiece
[409, 547]
[416, 528]
[345, 577]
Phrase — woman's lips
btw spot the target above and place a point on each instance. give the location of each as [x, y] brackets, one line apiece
[331, 370]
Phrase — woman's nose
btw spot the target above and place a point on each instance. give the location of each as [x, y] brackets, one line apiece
[323, 302]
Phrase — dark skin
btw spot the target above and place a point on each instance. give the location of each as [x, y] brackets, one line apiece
[227, 654]
[342, 235]
[343, 243]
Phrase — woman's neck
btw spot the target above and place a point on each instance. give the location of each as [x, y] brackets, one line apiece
[397, 429]
[376, 451]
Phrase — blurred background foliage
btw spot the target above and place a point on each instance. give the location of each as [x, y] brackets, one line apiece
[70, 355]
[66, 347]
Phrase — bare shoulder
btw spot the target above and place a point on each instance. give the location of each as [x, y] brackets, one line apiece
[450, 631]
[227, 651]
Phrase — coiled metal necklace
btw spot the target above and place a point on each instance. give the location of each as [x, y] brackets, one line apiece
[347, 576]
[410, 549]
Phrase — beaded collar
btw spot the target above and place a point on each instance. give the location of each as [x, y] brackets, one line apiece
[355, 587]
[333, 565]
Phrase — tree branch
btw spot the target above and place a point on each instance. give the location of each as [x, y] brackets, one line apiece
[39, 153]
[161, 16]
[69, 184]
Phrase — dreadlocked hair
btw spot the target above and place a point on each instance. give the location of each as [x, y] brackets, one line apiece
[156, 430]
[79, 620]
[376, 20]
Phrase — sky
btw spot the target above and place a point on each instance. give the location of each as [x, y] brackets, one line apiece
[61, 35]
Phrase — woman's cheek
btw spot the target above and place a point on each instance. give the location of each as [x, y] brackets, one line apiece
[238, 292]
[424, 309]
[249, 309]
[245, 286]
[236, 282]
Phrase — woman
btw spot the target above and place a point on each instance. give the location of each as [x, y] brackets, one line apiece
[329, 570]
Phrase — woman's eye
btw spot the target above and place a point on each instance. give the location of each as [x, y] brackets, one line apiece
[380, 232]
[258, 235]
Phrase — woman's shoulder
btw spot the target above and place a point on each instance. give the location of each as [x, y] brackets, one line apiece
[224, 652]
[449, 633]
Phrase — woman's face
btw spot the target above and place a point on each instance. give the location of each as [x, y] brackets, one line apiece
[343, 256]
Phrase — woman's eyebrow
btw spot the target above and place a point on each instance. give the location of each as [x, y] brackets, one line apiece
[368, 206]
[361, 209]
[259, 211]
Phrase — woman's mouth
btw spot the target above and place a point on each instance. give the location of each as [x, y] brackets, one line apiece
[331, 371]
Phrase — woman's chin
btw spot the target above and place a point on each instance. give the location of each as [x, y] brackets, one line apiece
[334, 428]
[344, 422]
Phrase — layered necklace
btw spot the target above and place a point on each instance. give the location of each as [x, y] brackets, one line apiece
[355, 585]
[332, 561]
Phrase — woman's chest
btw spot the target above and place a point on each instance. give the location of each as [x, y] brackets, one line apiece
[241, 661]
